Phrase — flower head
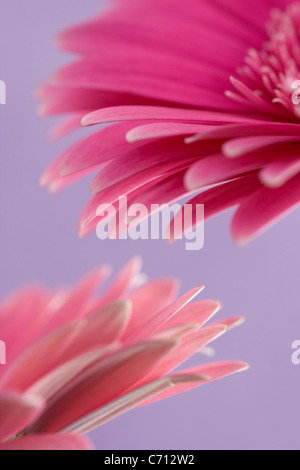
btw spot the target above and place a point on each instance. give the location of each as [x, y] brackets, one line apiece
[76, 360]
[206, 99]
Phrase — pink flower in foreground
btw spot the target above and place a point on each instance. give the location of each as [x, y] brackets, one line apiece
[162, 69]
[76, 361]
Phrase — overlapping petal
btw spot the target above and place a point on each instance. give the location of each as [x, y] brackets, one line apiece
[90, 358]
[181, 105]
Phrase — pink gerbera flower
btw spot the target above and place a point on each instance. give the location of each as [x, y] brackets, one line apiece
[76, 361]
[206, 100]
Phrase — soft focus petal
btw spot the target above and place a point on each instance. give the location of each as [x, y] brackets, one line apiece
[49, 442]
[17, 412]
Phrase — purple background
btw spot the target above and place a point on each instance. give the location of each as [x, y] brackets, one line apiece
[258, 409]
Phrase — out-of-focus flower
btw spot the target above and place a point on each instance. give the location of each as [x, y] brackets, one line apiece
[76, 360]
[162, 69]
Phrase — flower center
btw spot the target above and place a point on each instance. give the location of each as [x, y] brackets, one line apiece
[269, 76]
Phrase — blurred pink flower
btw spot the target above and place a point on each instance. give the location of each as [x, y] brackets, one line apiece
[162, 69]
[76, 361]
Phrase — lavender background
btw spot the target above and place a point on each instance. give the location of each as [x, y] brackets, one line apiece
[258, 409]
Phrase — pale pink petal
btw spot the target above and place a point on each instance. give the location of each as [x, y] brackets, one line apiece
[17, 412]
[51, 383]
[129, 401]
[278, 173]
[49, 442]
[103, 327]
[237, 147]
[146, 113]
[124, 281]
[214, 371]
[78, 302]
[163, 129]
[190, 344]
[148, 300]
[197, 312]
[102, 383]
[166, 317]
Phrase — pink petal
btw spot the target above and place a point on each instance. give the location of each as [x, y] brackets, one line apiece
[89, 218]
[77, 304]
[148, 300]
[167, 316]
[163, 129]
[214, 371]
[262, 209]
[188, 347]
[154, 155]
[104, 327]
[91, 73]
[129, 401]
[230, 323]
[55, 380]
[197, 312]
[123, 282]
[247, 130]
[93, 151]
[216, 200]
[49, 442]
[153, 113]
[168, 191]
[217, 168]
[278, 173]
[237, 147]
[62, 99]
[17, 412]
[102, 383]
[66, 126]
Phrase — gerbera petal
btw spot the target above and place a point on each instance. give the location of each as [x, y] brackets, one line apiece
[103, 327]
[155, 113]
[164, 129]
[188, 347]
[17, 412]
[214, 371]
[198, 312]
[55, 380]
[90, 73]
[111, 358]
[237, 147]
[261, 210]
[95, 150]
[129, 401]
[215, 200]
[278, 173]
[123, 282]
[167, 317]
[49, 442]
[150, 299]
[102, 383]
[227, 90]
